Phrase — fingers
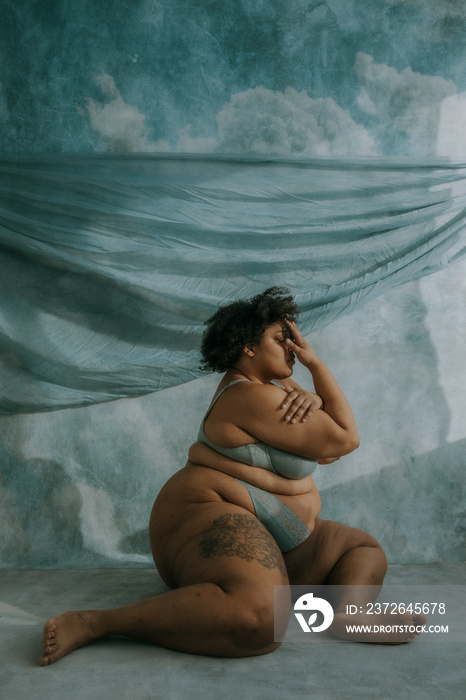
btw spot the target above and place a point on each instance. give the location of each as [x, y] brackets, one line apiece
[299, 415]
[297, 344]
[296, 411]
[295, 331]
[290, 405]
[301, 348]
[292, 346]
[315, 402]
[300, 405]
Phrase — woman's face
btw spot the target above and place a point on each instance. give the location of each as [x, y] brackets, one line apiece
[272, 358]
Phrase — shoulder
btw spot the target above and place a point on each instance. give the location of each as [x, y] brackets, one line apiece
[272, 389]
[250, 395]
[246, 400]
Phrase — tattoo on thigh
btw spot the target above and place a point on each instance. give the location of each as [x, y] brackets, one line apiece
[238, 535]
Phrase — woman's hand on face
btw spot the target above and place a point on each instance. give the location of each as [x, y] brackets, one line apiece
[300, 404]
[300, 347]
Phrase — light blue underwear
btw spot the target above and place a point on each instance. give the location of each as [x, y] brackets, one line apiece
[285, 527]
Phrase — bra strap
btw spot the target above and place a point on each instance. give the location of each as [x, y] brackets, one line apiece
[235, 381]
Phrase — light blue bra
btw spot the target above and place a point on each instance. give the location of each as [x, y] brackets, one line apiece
[259, 454]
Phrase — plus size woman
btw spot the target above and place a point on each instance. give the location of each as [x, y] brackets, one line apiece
[243, 515]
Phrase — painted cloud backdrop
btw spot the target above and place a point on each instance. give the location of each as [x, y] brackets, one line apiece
[341, 77]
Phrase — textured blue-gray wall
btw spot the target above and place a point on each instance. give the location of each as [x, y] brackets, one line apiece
[342, 77]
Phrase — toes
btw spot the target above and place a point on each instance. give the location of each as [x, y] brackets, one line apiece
[409, 637]
[48, 658]
[419, 620]
[50, 629]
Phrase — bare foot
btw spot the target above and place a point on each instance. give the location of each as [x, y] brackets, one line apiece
[65, 633]
[383, 628]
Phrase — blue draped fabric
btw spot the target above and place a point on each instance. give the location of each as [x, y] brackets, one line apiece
[110, 264]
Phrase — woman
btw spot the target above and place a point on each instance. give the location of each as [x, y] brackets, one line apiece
[242, 515]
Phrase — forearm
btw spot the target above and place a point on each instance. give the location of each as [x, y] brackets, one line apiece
[202, 455]
[336, 405]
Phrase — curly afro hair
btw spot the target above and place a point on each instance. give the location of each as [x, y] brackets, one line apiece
[243, 323]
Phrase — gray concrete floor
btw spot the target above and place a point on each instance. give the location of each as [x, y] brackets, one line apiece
[120, 668]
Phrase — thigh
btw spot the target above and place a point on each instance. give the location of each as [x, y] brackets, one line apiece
[312, 561]
[224, 544]
[228, 543]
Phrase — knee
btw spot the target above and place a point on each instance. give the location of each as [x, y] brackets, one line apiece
[370, 541]
[255, 628]
[383, 559]
[379, 560]
[365, 553]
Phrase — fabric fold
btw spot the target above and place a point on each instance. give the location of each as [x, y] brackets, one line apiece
[110, 264]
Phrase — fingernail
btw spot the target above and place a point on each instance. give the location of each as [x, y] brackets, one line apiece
[304, 420]
[294, 420]
[287, 417]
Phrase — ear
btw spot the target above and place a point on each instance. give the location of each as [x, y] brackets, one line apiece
[249, 351]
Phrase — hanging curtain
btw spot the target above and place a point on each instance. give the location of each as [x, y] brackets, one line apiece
[110, 264]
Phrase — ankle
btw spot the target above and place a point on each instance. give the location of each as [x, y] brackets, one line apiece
[97, 623]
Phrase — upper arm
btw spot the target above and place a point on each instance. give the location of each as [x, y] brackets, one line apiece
[260, 414]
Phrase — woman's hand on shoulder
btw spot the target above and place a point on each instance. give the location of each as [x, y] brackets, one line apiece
[300, 403]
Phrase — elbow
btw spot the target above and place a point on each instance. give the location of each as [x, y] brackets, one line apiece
[346, 444]
[352, 444]
[339, 448]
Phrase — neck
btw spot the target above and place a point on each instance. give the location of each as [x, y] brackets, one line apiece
[242, 372]
[251, 374]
